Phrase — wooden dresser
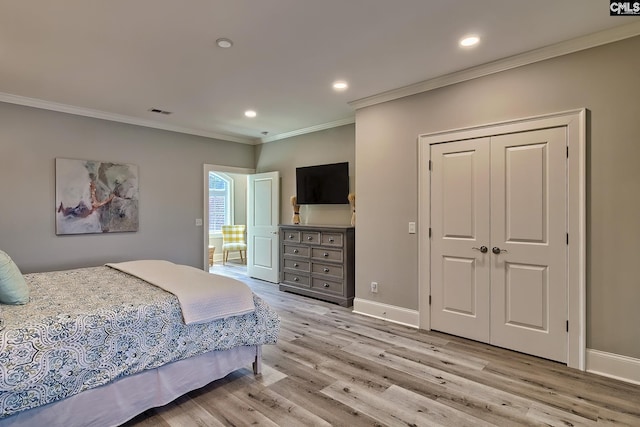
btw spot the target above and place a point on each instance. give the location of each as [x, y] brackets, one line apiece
[318, 261]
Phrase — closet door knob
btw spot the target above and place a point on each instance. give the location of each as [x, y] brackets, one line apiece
[496, 250]
[482, 249]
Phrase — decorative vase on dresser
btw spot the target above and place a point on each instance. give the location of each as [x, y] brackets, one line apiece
[318, 261]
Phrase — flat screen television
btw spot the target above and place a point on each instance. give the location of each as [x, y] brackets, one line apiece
[323, 184]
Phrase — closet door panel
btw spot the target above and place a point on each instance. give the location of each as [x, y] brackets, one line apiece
[460, 218]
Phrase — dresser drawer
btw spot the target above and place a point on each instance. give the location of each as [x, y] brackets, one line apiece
[329, 270]
[291, 236]
[298, 251]
[331, 239]
[297, 265]
[327, 254]
[327, 285]
[310, 237]
[296, 279]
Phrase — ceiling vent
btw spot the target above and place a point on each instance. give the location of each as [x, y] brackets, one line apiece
[159, 111]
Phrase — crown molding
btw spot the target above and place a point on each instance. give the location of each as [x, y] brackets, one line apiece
[552, 51]
[96, 114]
[316, 128]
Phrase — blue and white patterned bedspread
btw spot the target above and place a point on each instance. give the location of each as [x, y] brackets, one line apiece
[112, 325]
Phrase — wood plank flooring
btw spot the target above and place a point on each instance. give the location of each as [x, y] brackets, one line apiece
[334, 368]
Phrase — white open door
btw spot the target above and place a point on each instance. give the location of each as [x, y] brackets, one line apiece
[263, 216]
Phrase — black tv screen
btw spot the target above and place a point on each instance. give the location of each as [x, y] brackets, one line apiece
[323, 184]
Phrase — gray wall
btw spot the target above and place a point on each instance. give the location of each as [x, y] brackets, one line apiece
[328, 146]
[602, 79]
[170, 180]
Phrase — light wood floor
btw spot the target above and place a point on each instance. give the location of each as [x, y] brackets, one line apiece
[332, 367]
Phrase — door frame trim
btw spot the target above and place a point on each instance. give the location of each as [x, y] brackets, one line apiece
[206, 168]
[575, 121]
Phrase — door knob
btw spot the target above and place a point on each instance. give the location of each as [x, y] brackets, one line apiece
[482, 249]
[496, 250]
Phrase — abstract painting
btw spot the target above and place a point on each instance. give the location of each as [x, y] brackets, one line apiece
[95, 197]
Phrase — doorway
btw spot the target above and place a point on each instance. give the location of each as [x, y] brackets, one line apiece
[241, 197]
[228, 205]
[482, 271]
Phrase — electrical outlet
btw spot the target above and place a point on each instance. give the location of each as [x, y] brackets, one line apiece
[198, 222]
[374, 287]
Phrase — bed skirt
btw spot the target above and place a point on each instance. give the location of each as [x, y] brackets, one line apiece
[123, 399]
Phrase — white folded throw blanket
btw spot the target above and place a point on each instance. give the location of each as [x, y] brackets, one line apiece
[203, 296]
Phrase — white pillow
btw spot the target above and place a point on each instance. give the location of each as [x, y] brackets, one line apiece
[13, 288]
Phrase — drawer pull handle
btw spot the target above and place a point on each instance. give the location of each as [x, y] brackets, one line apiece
[291, 236]
[326, 270]
[326, 254]
[309, 237]
[295, 264]
[326, 285]
[331, 240]
[295, 251]
[296, 279]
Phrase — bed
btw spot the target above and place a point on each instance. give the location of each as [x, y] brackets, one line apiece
[98, 345]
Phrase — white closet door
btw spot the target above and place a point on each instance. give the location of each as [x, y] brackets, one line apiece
[460, 196]
[506, 194]
[528, 230]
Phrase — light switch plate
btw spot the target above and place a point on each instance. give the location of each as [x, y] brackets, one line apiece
[412, 228]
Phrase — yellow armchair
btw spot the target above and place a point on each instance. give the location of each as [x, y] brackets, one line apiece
[233, 239]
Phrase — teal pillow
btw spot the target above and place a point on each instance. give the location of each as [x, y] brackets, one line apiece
[13, 288]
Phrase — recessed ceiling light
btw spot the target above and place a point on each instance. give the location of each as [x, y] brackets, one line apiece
[340, 85]
[224, 43]
[469, 41]
[250, 113]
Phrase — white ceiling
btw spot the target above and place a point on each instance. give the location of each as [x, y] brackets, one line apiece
[116, 59]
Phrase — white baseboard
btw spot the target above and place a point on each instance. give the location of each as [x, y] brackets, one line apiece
[612, 365]
[387, 312]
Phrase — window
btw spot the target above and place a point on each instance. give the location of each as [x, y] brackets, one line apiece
[220, 204]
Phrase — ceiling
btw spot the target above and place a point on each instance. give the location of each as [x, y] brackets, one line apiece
[117, 59]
